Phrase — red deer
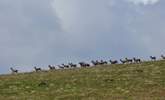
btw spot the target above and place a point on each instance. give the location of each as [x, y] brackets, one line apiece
[95, 63]
[163, 57]
[37, 69]
[136, 60]
[72, 65]
[129, 60]
[51, 67]
[61, 67]
[153, 58]
[13, 70]
[113, 62]
[65, 66]
[123, 61]
[83, 64]
[103, 62]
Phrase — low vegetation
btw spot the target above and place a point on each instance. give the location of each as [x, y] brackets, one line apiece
[144, 81]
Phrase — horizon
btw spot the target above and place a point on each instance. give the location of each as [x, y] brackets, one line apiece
[22, 68]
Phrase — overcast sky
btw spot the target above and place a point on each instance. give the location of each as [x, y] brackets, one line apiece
[42, 32]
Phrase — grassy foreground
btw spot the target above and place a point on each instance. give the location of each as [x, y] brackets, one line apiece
[144, 81]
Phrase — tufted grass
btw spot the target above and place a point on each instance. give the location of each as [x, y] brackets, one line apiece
[145, 81]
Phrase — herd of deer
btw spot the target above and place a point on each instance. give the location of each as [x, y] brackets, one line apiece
[93, 63]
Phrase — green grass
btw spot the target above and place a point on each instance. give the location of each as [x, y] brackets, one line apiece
[144, 81]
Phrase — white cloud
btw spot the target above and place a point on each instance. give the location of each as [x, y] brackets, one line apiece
[144, 2]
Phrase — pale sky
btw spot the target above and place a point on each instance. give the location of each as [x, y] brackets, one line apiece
[42, 32]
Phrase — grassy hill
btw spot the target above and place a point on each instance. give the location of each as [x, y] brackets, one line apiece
[144, 81]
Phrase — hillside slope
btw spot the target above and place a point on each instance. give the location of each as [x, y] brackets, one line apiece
[144, 81]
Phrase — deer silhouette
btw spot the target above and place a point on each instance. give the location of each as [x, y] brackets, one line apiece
[72, 65]
[13, 70]
[137, 60]
[83, 64]
[113, 61]
[163, 57]
[129, 60]
[37, 69]
[61, 67]
[123, 61]
[51, 67]
[65, 66]
[153, 58]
